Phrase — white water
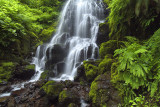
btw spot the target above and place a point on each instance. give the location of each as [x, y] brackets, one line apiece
[83, 104]
[77, 30]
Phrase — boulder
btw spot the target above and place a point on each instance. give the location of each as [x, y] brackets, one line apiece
[52, 90]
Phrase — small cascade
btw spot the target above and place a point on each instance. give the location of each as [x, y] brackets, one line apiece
[74, 41]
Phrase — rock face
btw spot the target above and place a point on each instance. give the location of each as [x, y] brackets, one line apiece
[54, 55]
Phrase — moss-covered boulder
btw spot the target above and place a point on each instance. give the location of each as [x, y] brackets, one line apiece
[108, 47]
[91, 69]
[105, 64]
[67, 96]
[52, 90]
[46, 74]
[101, 92]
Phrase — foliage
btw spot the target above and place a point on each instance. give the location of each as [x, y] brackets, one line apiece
[6, 71]
[139, 101]
[21, 23]
[138, 67]
[124, 14]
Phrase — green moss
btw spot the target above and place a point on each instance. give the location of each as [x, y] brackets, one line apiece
[72, 105]
[44, 75]
[63, 95]
[52, 89]
[66, 97]
[108, 47]
[30, 67]
[105, 64]
[114, 73]
[98, 96]
[90, 71]
[8, 64]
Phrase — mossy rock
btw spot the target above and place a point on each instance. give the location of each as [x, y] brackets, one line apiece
[52, 89]
[30, 67]
[66, 97]
[108, 47]
[105, 64]
[72, 105]
[91, 70]
[99, 90]
[114, 73]
[46, 74]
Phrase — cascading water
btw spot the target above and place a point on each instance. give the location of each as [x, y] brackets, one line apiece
[74, 41]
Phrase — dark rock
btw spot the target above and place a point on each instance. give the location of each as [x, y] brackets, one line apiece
[60, 67]
[80, 74]
[24, 73]
[67, 96]
[4, 89]
[54, 55]
[103, 33]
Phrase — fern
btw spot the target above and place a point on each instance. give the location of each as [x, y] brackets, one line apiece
[133, 64]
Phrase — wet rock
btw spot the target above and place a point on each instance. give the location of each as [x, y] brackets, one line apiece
[80, 74]
[103, 33]
[18, 92]
[60, 67]
[4, 89]
[4, 101]
[55, 54]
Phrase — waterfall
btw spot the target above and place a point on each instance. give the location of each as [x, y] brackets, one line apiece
[74, 40]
